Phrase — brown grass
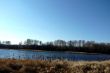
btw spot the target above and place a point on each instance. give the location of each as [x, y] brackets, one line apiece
[56, 66]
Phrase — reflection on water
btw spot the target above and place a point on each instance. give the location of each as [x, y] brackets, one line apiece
[50, 55]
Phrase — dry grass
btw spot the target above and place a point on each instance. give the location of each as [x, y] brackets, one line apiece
[56, 66]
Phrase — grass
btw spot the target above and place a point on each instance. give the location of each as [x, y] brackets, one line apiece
[55, 66]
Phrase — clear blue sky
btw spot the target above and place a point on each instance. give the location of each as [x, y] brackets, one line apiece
[48, 20]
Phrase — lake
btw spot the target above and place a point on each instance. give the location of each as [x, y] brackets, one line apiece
[50, 55]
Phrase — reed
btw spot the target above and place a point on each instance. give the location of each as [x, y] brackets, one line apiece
[54, 66]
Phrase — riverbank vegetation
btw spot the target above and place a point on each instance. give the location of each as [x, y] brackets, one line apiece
[55, 66]
[60, 45]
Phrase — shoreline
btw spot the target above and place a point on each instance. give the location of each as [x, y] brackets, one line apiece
[74, 52]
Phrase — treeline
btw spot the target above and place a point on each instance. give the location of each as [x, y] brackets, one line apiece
[60, 45]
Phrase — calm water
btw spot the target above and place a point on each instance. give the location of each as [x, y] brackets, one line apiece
[50, 55]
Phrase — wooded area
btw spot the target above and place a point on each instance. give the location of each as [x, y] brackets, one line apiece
[60, 45]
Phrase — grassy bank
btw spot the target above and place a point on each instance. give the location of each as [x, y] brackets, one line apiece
[29, 66]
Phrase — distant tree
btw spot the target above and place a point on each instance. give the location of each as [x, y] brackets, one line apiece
[89, 43]
[75, 43]
[49, 43]
[71, 43]
[59, 43]
[80, 43]
[20, 43]
[40, 42]
[7, 42]
[35, 42]
[83, 43]
[108, 44]
[28, 42]
[3, 42]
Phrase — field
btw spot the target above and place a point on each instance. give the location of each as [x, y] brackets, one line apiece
[56, 66]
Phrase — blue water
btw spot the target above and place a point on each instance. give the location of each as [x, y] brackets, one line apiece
[50, 55]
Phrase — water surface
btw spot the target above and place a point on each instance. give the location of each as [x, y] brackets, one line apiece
[50, 55]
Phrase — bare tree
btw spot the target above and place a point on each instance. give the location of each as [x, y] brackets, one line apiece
[35, 42]
[28, 42]
[59, 43]
[7, 42]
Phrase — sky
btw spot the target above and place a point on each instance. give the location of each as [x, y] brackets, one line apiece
[49, 20]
